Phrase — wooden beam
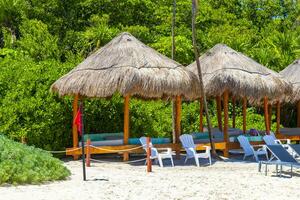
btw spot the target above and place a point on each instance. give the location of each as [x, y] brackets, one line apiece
[178, 124]
[226, 117]
[126, 125]
[277, 117]
[201, 115]
[270, 114]
[219, 112]
[233, 112]
[244, 115]
[149, 161]
[298, 114]
[266, 115]
[74, 127]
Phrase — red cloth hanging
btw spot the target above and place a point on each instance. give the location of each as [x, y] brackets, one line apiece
[78, 122]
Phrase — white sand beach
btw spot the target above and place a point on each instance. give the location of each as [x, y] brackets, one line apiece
[223, 180]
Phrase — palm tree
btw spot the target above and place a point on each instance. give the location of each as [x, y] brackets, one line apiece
[194, 14]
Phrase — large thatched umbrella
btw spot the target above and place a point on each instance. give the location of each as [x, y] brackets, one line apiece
[226, 71]
[292, 74]
[127, 66]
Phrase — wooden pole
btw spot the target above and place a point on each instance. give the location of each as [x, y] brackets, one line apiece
[74, 127]
[88, 152]
[233, 112]
[278, 117]
[266, 115]
[244, 115]
[270, 114]
[219, 112]
[149, 161]
[298, 114]
[126, 125]
[201, 115]
[178, 125]
[226, 139]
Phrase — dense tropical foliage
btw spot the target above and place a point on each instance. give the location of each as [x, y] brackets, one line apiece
[41, 40]
[20, 164]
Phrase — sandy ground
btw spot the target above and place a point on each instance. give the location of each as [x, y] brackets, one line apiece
[232, 179]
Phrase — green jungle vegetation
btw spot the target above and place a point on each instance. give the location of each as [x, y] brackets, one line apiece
[41, 40]
[22, 164]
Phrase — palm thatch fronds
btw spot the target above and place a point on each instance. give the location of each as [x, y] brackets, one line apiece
[226, 69]
[128, 66]
[292, 74]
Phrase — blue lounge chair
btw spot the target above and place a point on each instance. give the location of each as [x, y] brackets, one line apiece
[283, 158]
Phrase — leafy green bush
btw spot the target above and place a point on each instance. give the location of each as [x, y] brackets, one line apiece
[20, 164]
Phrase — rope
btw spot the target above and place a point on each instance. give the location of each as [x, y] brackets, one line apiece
[127, 162]
[103, 149]
[64, 150]
[121, 150]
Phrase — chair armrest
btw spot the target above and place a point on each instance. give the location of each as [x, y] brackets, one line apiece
[207, 149]
[169, 150]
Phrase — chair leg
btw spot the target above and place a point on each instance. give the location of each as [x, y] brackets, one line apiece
[259, 167]
[186, 158]
[256, 157]
[209, 157]
[266, 170]
[160, 161]
[267, 156]
[197, 161]
[172, 162]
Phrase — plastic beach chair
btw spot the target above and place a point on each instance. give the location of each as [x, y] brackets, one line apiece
[283, 158]
[155, 155]
[190, 148]
[249, 150]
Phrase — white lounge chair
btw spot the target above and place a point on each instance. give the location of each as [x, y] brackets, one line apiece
[155, 155]
[249, 150]
[190, 148]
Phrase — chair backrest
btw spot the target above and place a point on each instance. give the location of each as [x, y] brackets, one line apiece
[187, 143]
[270, 140]
[245, 144]
[143, 141]
[281, 154]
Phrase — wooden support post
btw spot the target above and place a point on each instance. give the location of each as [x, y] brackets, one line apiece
[244, 115]
[126, 125]
[219, 112]
[88, 152]
[226, 139]
[278, 117]
[270, 114]
[201, 115]
[233, 112]
[149, 161]
[74, 127]
[266, 115]
[178, 125]
[298, 114]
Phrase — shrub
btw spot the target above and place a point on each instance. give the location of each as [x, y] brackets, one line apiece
[20, 164]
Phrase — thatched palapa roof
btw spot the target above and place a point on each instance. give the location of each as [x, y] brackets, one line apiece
[128, 66]
[292, 74]
[226, 69]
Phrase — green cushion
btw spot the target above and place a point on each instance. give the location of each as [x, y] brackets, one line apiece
[101, 136]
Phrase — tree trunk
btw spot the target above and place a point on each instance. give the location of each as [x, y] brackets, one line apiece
[194, 13]
[173, 57]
